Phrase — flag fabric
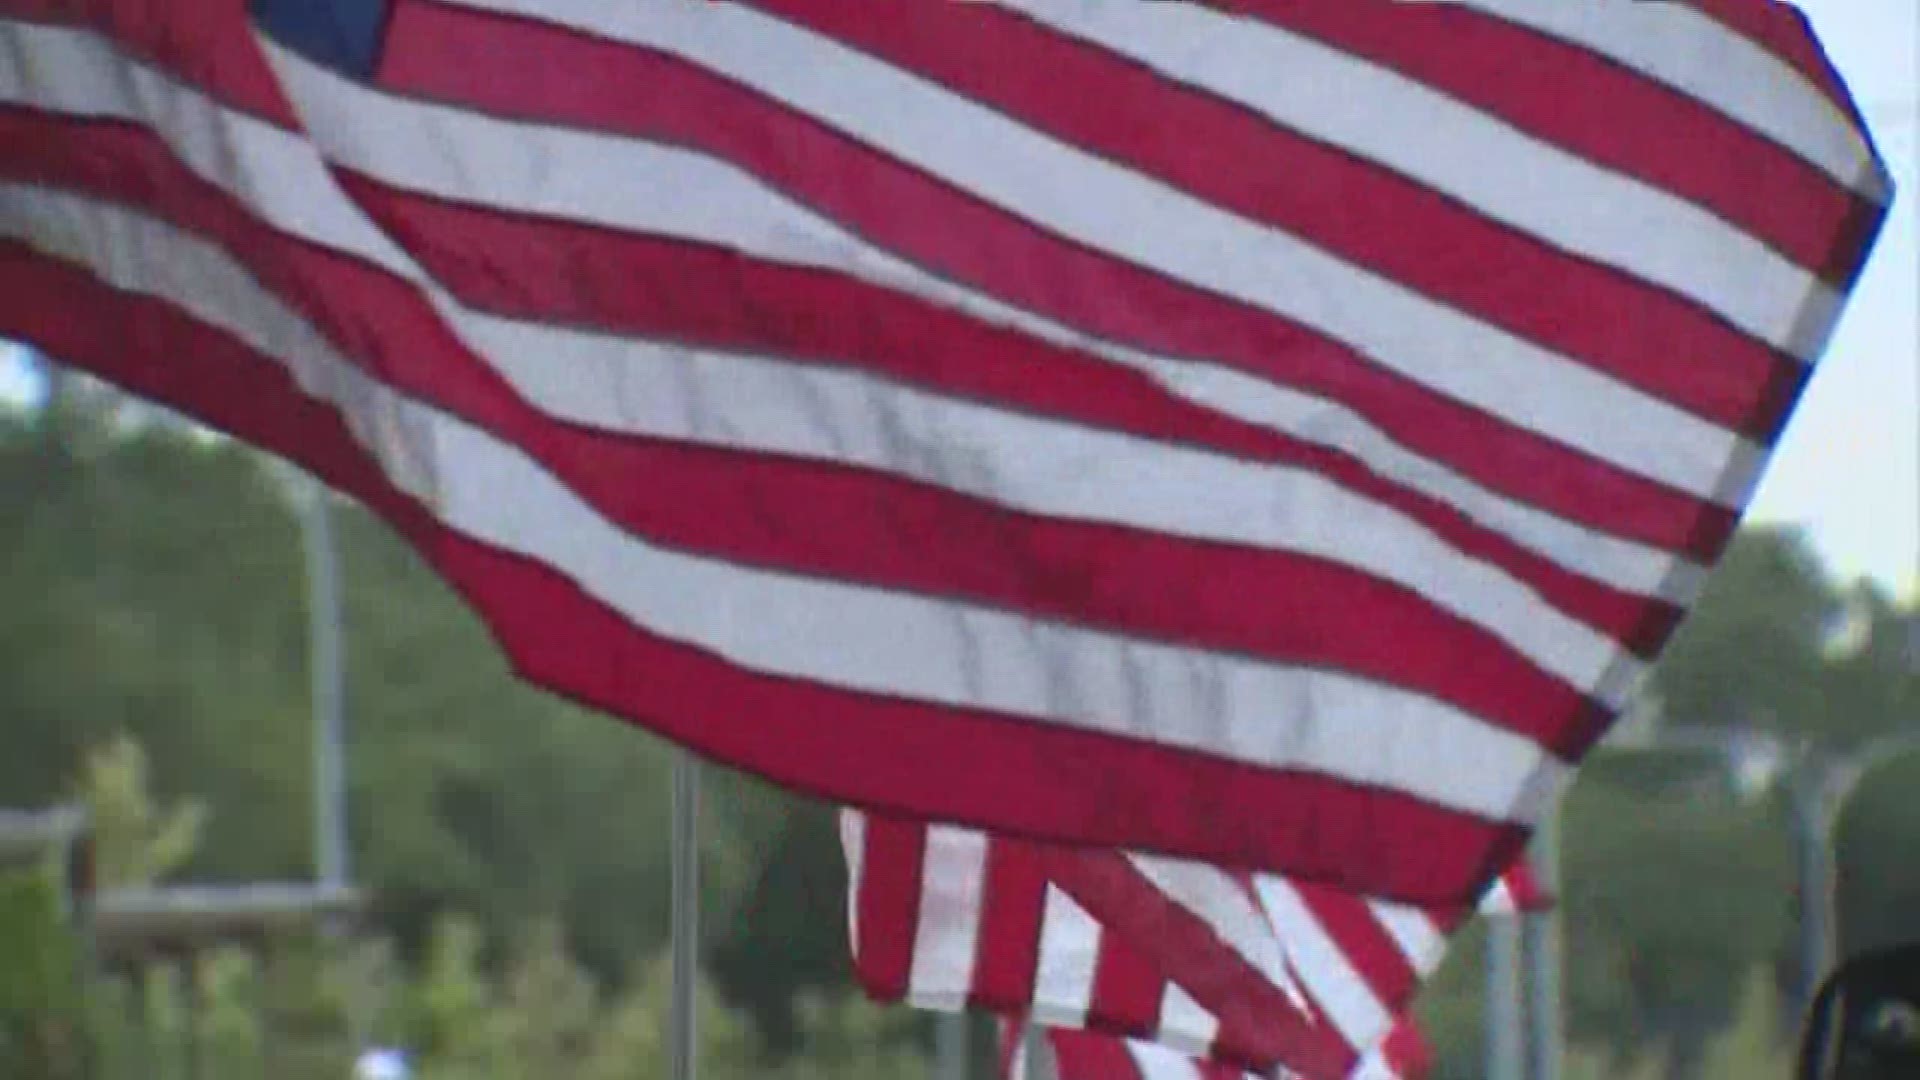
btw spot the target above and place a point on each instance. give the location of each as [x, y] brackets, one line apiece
[1251, 973]
[1517, 891]
[1268, 432]
[1083, 1055]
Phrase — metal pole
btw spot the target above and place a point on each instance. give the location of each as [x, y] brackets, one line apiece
[1811, 833]
[79, 868]
[1506, 1056]
[1040, 1063]
[272, 1062]
[190, 1012]
[332, 868]
[1547, 1043]
[950, 1046]
[683, 1036]
[329, 714]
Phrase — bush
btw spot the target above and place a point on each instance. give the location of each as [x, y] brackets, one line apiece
[42, 1023]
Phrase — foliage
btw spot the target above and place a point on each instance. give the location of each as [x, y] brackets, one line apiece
[1750, 652]
[1651, 966]
[1879, 895]
[1451, 1009]
[541, 1015]
[1750, 1047]
[41, 1019]
[134, 842]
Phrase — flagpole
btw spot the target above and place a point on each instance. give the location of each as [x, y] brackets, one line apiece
[329, 684]
[950, 1046]
[1542, 945]
[683, 1034]
[1505, 1050]
[1040, 1063]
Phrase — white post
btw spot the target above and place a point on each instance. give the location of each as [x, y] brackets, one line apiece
[1506, 1050]
[332, 868]
[329, 698]
[1543, 948]
[1039, 1057]
[1813, 835]
[683, 1034]
[950, 1047]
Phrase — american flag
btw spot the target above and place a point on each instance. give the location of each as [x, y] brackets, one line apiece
[1081, 1055]
[1168, 963]
[1272, 432]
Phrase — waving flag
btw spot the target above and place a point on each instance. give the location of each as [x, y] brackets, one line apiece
[1080, 1055]
[1162, 959]
[1272, 432]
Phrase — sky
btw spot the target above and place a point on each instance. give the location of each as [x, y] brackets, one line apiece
[15, 384]
[1847, 469]
[1848, 466]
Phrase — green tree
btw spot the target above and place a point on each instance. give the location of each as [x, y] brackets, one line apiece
[1652, 968]
[1878, 879]
[42, 1023]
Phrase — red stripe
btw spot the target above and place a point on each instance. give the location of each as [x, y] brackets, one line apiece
[998, 773]
[567, 78]
[1528, 890]
[1080, 1056]
[1259, 1024]
[208, 42]
[1012, 901]
[1127, 989]
[887, 895]
[577, 273]
[1012, 1030]
[1233, 158]
[859, 525]
[1406, 1050]
[1348, 920]
[1602, 111]
[573, 273]
[1525, 889]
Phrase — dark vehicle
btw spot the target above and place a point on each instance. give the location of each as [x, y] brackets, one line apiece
[1865, 1022]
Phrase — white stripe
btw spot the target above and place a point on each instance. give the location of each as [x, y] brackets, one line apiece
[624, 384]
[1686, 49]
[1018, 462]
[952, 883]
[1184, 1025]
[1374, 1066]
[280, 176]
[1159, 1062]
[1216, 899]
[843, 635]
[853, 841]
[1069, 954]
[592, 177]
[950, 653]
[282, 179]
[1419, 939]
[1444, 144]
[695, 197]
[1029, 463]
[1330, 977]
[1498, 899]
[1017, 1065]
